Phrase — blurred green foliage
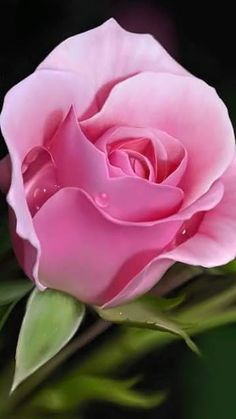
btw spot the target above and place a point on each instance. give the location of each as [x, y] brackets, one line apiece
[208, 385]
[71, 393]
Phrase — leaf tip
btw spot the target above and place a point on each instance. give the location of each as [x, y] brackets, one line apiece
[193, 346]
[14, 386]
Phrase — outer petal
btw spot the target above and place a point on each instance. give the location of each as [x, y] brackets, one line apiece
[108, 54]
[215, 242]
[184, 107]
[24, 239]
[34, 108]
[153, 271]
[84, 264]
[76, 242]
[140, 284]
[31, 113]
[27, 250]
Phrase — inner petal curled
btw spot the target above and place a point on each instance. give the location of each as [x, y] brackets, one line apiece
[147, 153]
[40, 179]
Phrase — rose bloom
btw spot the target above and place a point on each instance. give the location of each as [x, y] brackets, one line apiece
[121, 163]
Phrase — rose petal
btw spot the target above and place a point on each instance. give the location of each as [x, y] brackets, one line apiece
[26, 244]
[80, 163]
[215, 242]
[32, 111]
[76, 241]
[141, 140]
[108, 54]
[208, 201]
[35, 107]
[184, 107]
[40, 178]
[167, 155]
[155, 268]
[119, 164]
[140, 283]
[176, 158]
[26, 251]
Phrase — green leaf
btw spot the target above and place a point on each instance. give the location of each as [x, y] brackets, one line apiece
[141, 314]
[163, 304]
[14, 290]
[50, 321]
[69, 394]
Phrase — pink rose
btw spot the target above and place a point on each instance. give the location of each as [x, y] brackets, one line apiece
[122, 164]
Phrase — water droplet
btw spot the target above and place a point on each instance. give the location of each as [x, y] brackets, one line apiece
[102, 200]
[30, 158]
[41, 194]
[32, 155]
[24, 168]
[184, 231]
[37, 198]
[36, 193]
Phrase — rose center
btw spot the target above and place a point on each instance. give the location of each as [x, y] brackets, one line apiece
[134, 157]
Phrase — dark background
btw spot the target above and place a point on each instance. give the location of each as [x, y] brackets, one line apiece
[201, 35]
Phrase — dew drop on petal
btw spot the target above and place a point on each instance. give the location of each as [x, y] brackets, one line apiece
[24, 168]
[29, 159]
[188, 229]
[101, 200]
[41, 194]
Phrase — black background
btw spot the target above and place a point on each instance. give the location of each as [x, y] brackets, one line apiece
[205, 33]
